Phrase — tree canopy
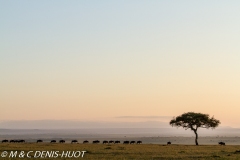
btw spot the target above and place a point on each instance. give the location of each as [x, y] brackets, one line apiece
[194, 121]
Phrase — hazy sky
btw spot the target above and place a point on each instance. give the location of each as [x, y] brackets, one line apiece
[96, 60]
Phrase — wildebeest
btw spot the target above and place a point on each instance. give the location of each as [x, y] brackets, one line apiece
[111, 141]
[53, 141]
[116, 142]
[105, 142]
[12, 141]
[21, 141]
[96, 141]
[168, 143]
[132, 142]
[17, 141]
[4, 141]
[139, 142]
[62, 141]
[85, 141]
[126, 142]
[39, 140]
[221, 143]
[74, 141]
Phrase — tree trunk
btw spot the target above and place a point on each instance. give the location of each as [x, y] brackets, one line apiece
[196, 138]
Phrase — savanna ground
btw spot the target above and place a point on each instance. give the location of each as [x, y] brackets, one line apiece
[127, 151]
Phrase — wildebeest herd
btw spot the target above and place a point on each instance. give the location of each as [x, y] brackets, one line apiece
[13, 141]
[76, 141]
[86, 141]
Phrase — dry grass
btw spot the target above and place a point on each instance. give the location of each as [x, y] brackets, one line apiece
[125, 152]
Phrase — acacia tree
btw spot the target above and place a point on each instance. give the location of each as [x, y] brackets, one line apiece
[194, 121]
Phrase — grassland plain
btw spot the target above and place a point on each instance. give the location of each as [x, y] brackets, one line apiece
[128, 152]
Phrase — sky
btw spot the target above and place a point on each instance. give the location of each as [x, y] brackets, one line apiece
[101, 60]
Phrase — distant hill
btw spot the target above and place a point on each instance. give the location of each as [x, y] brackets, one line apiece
[156, 128]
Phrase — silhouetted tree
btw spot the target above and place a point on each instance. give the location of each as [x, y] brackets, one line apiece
[194, 121]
